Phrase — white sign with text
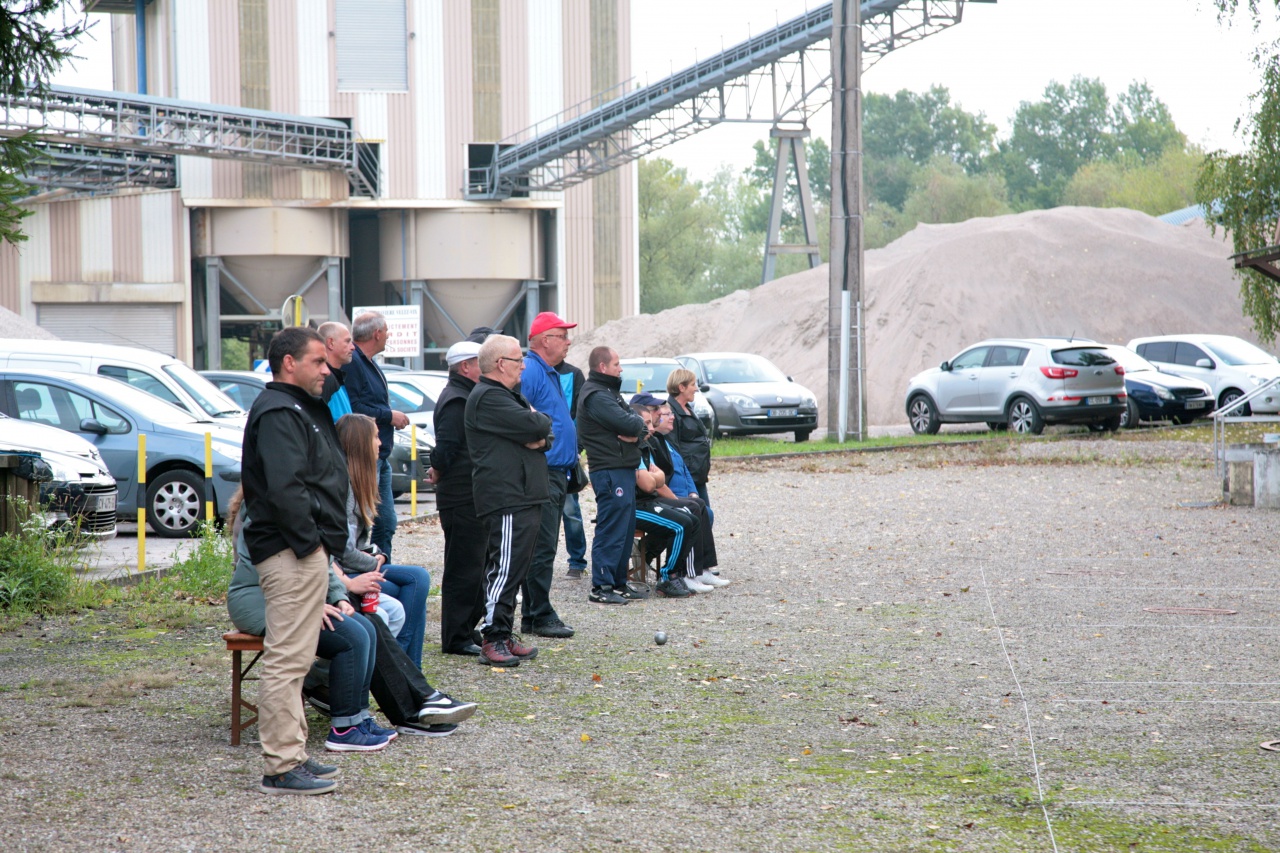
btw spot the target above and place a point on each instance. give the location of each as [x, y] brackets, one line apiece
[404, 327]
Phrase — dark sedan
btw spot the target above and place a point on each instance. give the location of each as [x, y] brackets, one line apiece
[1158, 396]
[751, 396]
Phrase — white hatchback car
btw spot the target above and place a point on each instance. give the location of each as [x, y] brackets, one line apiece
[1232, 367]
[1022, 384]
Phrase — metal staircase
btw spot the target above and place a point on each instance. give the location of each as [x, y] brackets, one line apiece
[592, 138]
[95, 138]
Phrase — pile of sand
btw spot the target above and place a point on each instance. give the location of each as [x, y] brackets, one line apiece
[15, 326]
[1107, 274]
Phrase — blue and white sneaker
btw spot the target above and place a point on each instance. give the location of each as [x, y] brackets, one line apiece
[354, 739]
[370, 725]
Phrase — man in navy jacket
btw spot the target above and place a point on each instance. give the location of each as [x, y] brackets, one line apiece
[550, 392]
[367, 388]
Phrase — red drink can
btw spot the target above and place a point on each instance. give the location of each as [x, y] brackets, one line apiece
[369, 603]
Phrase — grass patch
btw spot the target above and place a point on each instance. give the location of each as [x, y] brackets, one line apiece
[38, 568]
[731, 446]
[202, 576]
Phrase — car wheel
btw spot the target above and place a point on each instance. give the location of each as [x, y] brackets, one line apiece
[1112, 424]
[997, 426]
[922, 415]
[175, 502]
[1024, 417]
[802, 435]
[1228, 397]
[1129, 419]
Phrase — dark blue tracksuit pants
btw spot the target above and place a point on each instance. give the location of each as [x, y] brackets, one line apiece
[615, 490]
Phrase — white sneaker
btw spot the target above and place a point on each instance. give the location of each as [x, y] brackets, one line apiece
[712, 580]
[697, 586]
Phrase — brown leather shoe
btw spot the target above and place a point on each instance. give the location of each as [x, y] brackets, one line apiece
[496, 653]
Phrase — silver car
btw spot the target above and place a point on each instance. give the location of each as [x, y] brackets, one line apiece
[1020, 384]
[749, 395]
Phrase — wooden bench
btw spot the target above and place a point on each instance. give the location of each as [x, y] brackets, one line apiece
[640, 563]
[238, 644]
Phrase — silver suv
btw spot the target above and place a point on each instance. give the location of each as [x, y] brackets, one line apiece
[1021, 384]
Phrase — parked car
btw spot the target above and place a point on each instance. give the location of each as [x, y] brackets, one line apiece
[415, 393]
[1158, 396]
[1230, 366]
[749, 395]
[244, 386]
[1022, 385]
[82, 496]
[156, 373]
[650, 374]
[110, 415]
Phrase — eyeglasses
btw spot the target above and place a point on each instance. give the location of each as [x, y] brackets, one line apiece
[506, 358]
[557, 337]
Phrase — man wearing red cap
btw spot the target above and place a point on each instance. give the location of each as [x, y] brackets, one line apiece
[548, 392]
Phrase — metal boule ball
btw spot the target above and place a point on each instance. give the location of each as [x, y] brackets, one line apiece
[660, 637]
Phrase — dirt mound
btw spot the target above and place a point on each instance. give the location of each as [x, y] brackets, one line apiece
[15, 326]
[1106, 274]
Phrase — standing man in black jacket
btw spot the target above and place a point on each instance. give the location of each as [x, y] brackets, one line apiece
[508, 443]
[609, 431]
[465, 537]
[295, 489]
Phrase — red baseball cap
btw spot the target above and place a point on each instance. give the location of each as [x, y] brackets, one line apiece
[548, 320]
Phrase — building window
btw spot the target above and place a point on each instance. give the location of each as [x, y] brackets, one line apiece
[373, 46]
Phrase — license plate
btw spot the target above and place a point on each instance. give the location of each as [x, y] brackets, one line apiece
[106, 503]
[783, 413]
[1097, 401]
[1197, 405]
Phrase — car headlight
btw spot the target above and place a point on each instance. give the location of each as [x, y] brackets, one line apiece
[1163, 393]
[808, 401]
[62, 473]
[741, 401]
[401, 438]
[1257, 380]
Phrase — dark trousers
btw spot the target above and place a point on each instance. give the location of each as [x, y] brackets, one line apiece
[350, 649]
[384, 523]
[399, 686]
[674, 523]
[535, 602]
[575, 537]
[615, 490]
[466, 540]
[704, 543]
[513, 534]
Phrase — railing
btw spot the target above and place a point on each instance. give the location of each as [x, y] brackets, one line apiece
[1222, 416]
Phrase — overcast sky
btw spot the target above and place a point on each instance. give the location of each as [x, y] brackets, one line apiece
[999, 55]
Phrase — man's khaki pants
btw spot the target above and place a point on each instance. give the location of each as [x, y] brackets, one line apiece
[295, 591]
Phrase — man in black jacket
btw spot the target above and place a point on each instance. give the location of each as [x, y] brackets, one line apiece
[295, 489]
[508, 442]
[465, 537]
[609, 431]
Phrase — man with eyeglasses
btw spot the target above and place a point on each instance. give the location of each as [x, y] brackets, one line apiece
[508, 442]
[551, 393]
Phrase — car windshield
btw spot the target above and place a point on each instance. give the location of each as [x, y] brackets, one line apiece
[741, 368]
[205, 393]
[1130, 360]
[650, 377]
[143, 404]
[1236, 352]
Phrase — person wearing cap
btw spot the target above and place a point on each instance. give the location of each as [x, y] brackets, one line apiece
[609, 431]
[550, 392]
[465, 536]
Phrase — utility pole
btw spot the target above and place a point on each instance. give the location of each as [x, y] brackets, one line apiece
[846, 353]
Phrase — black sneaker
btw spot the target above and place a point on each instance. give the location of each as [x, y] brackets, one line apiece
[575, 574]
[317, 698]
[320, 771]
[605, 595]
[630, 594]
[526, 625]
[674, 588]
[442, 708]
[422, 730]
[296, 781]
[553, 628]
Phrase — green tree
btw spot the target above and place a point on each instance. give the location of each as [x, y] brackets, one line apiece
[1241, 192]
[1155, 187]
[32, 47]
[677, 236]
[944, 193]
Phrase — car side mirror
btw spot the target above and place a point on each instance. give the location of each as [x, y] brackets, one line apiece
[945, 367]
[1204, 362]
[704, 387]
[93, 425]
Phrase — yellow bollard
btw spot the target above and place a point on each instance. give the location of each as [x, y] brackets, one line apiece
[208, 477]
[413, 470]
[142, 502]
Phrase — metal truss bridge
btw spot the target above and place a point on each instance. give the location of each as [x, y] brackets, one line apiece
[780, 76]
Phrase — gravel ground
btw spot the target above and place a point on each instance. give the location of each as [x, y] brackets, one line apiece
[944, 649]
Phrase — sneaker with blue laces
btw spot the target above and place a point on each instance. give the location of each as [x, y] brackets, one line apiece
[370, 725]
[354, 739]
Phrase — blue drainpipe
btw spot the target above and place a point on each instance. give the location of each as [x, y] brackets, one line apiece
[140, 25]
